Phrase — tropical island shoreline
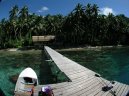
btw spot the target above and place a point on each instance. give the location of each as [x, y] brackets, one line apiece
[83, 48]
[79, 48]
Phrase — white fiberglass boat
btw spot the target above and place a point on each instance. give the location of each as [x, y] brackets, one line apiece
[26, 82]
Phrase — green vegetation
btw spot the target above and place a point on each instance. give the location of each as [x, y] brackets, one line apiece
[83, 26]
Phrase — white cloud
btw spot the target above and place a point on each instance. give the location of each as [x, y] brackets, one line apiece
[106, 11]
[44, 8]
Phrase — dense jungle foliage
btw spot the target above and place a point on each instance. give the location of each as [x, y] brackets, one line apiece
[82, 26]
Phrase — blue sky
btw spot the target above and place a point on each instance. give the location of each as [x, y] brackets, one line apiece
[43, 7]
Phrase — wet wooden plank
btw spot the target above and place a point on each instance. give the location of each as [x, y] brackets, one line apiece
[85, 89]
[74, 85]
[97, 89]
[125, 91]
[119, 93]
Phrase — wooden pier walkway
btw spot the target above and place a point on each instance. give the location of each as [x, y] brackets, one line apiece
[83, 81]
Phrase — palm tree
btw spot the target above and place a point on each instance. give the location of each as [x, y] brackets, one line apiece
[23, 14]
[13, 13]
[94, 25]
[91, 20]
[122, 28]
[73, 26]
[78, 23]
[23, 23]
[102, 29]
[13, 20]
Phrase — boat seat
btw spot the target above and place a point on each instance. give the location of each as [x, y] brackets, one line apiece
[27, 83]
[26, 89]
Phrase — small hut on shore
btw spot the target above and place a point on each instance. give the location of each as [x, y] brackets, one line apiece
[40, 41]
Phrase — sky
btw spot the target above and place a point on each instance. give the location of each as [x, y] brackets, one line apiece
[64, 7]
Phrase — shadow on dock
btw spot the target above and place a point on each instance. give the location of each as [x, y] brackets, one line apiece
[49, 72]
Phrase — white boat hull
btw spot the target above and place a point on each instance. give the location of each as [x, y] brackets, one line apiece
[26, 81]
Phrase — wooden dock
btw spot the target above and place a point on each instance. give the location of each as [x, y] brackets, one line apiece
[83, 81]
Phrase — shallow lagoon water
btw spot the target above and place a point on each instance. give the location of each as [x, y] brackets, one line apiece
[112, 64]
[13, 62]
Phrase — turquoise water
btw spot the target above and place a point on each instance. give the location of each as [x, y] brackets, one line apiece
[112, 64]
[12, 63]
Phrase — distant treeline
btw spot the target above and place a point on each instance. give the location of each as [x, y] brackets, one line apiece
[83, 26]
